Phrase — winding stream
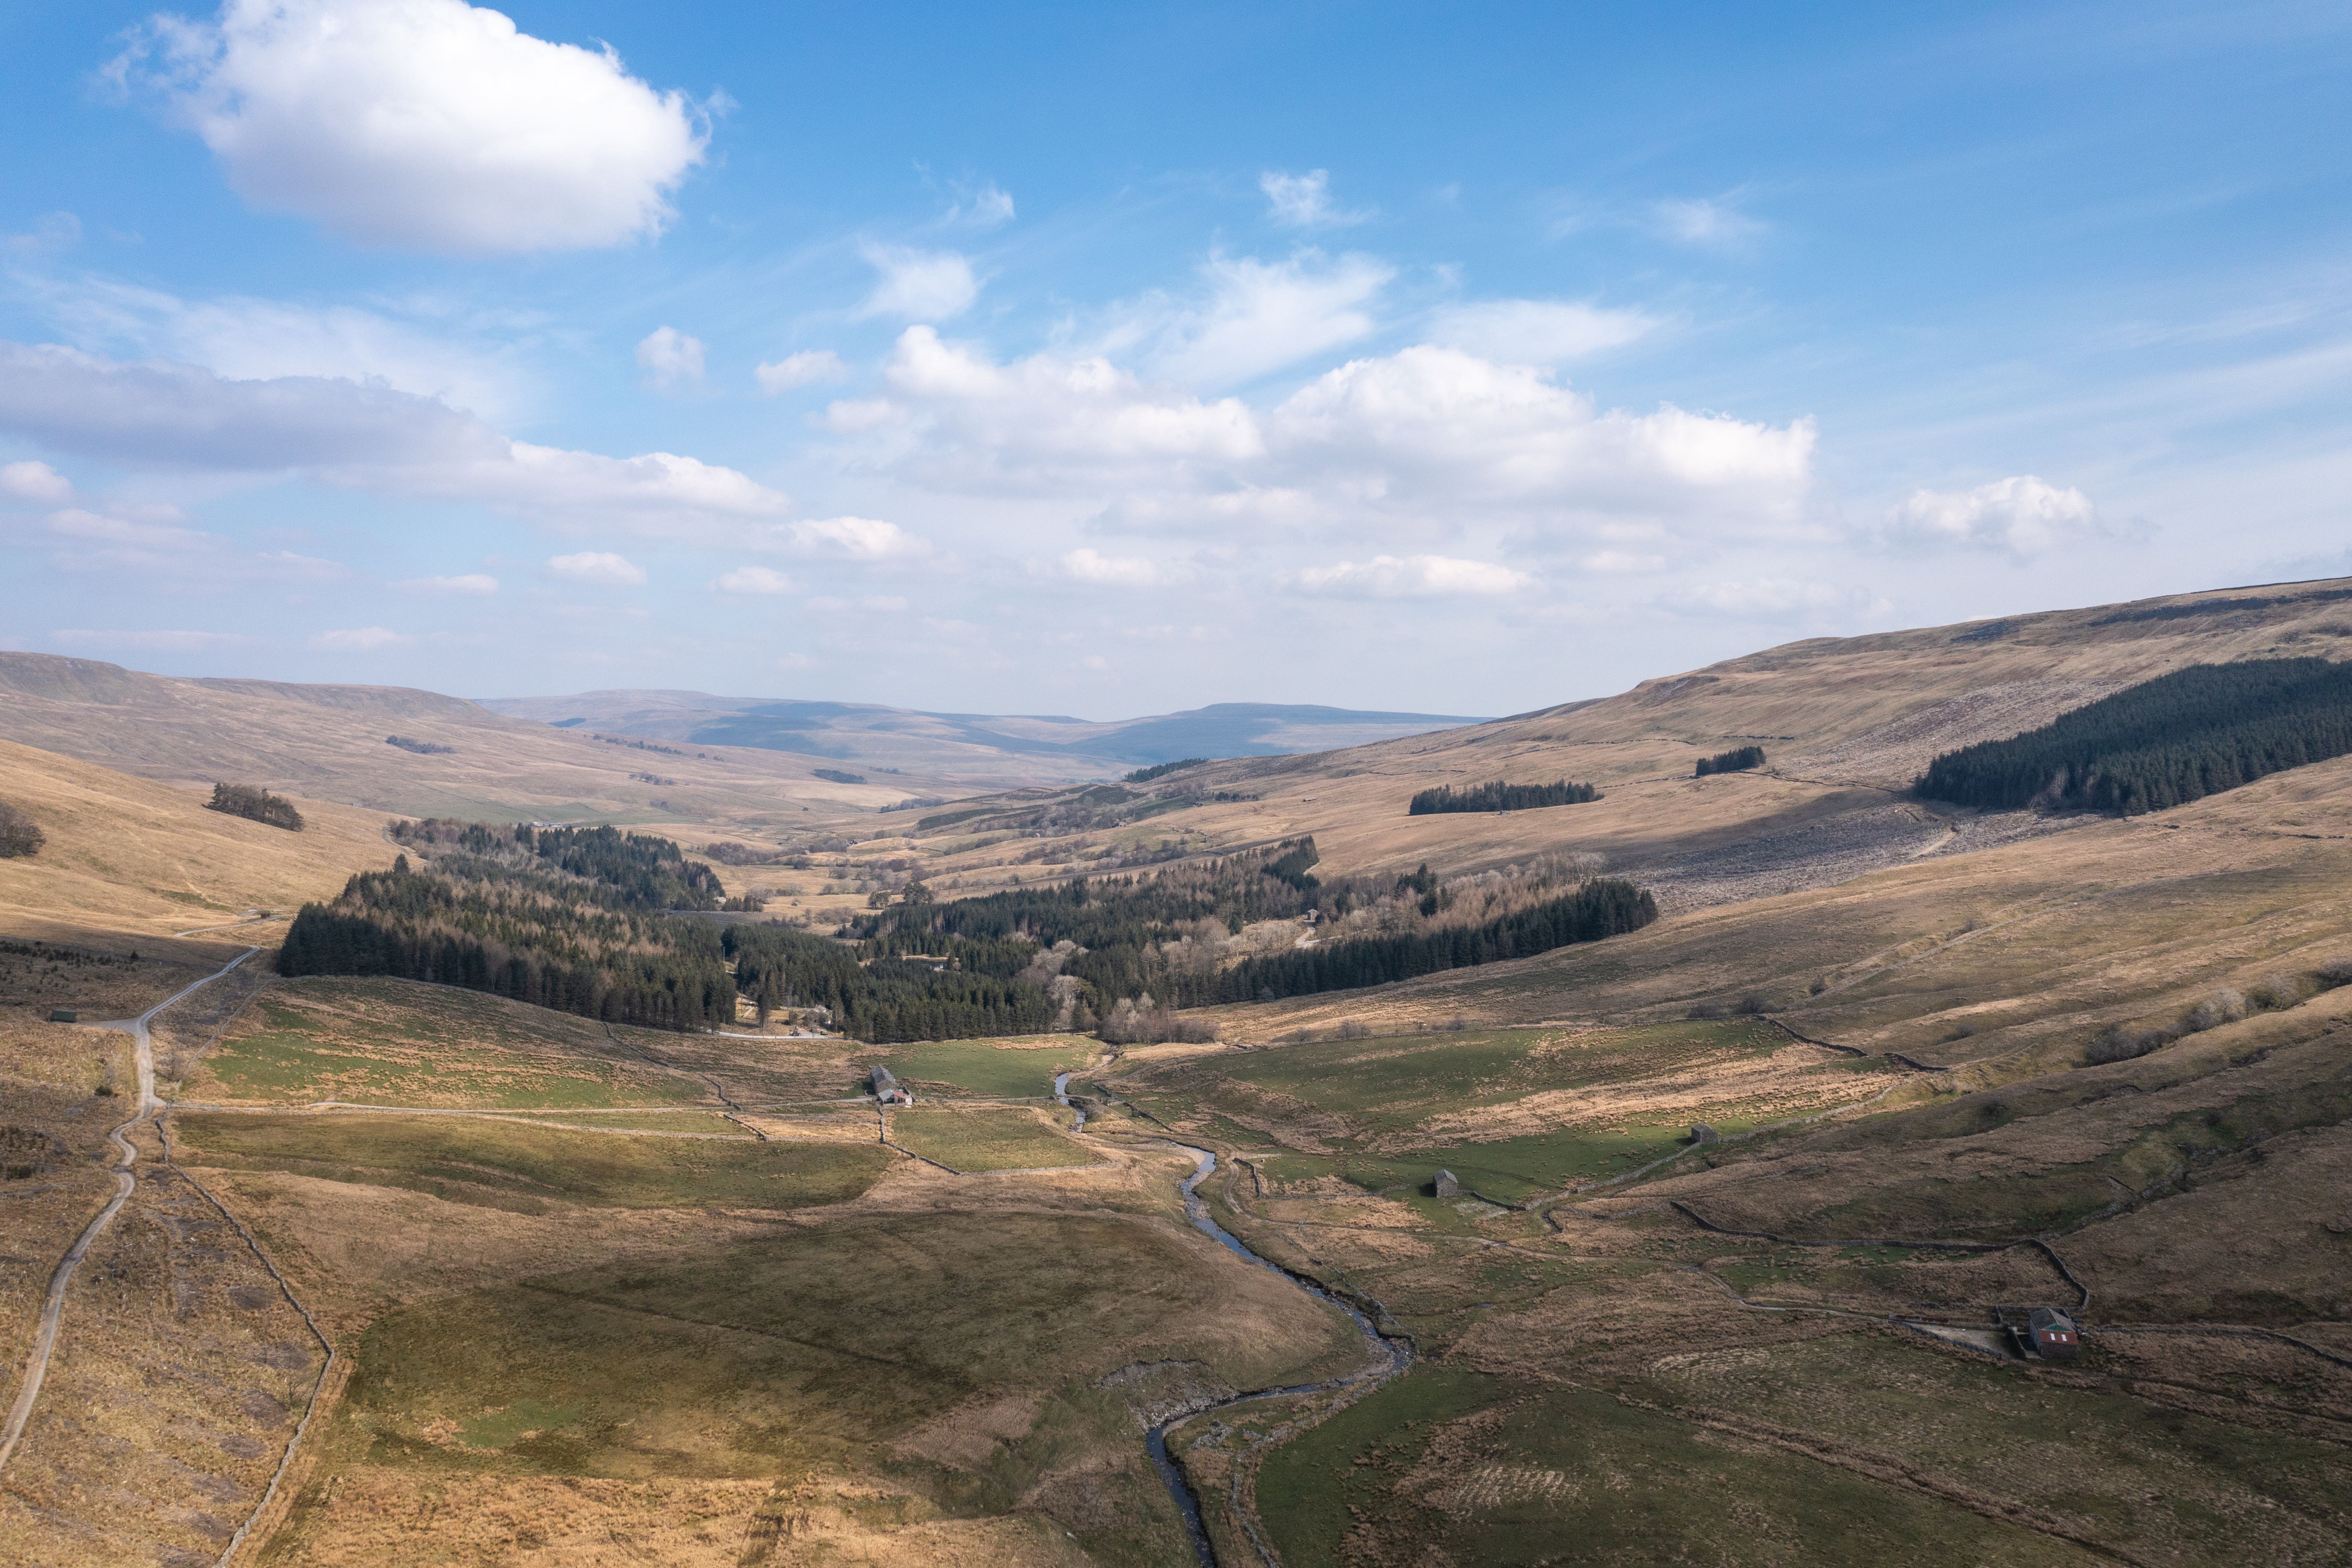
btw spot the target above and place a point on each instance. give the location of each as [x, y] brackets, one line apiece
[1388, 1356]
[1062, 1094]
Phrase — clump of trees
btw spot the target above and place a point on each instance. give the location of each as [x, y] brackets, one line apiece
[1499, 796]
[885, 998]
[2123, 1042]
[838, 775]
[1736, 761]
[1161, 770]
[422, 748]
[19, 834]
[1141, 1021]
[529, 930]
[644, 870]
[256, 805]
[2161, 743]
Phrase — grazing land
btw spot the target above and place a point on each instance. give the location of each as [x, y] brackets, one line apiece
[1735, 1195]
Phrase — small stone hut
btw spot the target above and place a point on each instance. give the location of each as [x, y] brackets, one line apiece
[1702, 1134]
[1445, 1186]
[888, 1090]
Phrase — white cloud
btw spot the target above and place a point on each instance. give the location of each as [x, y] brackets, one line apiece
[1537, 331]
[2023, 515]
[918, 285]
[857, 538]
[248, 339]
[598, 568]
[751, 580]
[360, 436]
[801, 369]
[423, 123]
[1425, 440]
[669, 357]
[34, 482]
[1304, 201]
[1414, 577]
[357, 639]
[1705, 221]
[1431, 427]
[471, 585]
[1259, 316]
[1090, 566]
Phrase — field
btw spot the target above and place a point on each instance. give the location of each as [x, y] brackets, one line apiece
[998, 1139]
[616, 1295]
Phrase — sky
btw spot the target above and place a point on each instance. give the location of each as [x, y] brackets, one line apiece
[1116, 360]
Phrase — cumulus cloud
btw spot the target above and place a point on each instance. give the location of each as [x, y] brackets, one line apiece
[1304, 201]
[1091, 566]
[598, 569]
[358, 436]
[751, 580]
[470, 585]
[918, 285]
[1537, 331]
[803, 369]
[2023, 515]
[357, 639]
[1414, 577]
[1422, 440]
[669, 357]
[856, 539]
[34, 482]
[423, 123]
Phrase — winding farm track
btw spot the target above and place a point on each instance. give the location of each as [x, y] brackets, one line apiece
[126, 1182]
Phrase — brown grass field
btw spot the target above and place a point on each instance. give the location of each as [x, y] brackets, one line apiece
[615, 1296]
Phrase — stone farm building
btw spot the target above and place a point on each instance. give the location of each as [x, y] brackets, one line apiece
[888, 1090]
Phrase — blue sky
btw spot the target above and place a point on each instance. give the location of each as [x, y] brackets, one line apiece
[1115, 360]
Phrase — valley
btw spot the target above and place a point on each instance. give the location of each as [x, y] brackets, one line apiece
[1676, 1237]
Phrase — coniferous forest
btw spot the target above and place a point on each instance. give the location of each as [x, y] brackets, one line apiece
[578, 919]
[2164, 742]
[523, 929]
[1499, 796]
[1736, 761]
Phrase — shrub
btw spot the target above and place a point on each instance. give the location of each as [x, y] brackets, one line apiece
[1752, 1004]
[19, 834]
[2336, 972]
[2278, 991]
[1709, 1010]
[255, 804]
[2121, 1044]
[1352, 1030]
[1733, 762]
[2224, 1006]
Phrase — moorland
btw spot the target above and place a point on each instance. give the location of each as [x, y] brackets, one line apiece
[1676, 1235]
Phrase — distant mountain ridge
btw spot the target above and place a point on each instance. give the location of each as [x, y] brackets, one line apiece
[851, 731]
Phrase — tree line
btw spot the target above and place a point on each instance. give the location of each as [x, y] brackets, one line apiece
[1499, 796]
[1736, 761]
[645, 870]
[2164, 742]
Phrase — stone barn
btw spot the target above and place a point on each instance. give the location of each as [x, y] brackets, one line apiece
[888, 1090]
[1447, 1185]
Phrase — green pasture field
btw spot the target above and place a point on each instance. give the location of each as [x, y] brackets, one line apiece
[988, 1139]
[495, 1163]
[820, 1347]
[1510, 1170]
[694, 1120]
[1564, 1475]
[392, 1042]
[981, 1066]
